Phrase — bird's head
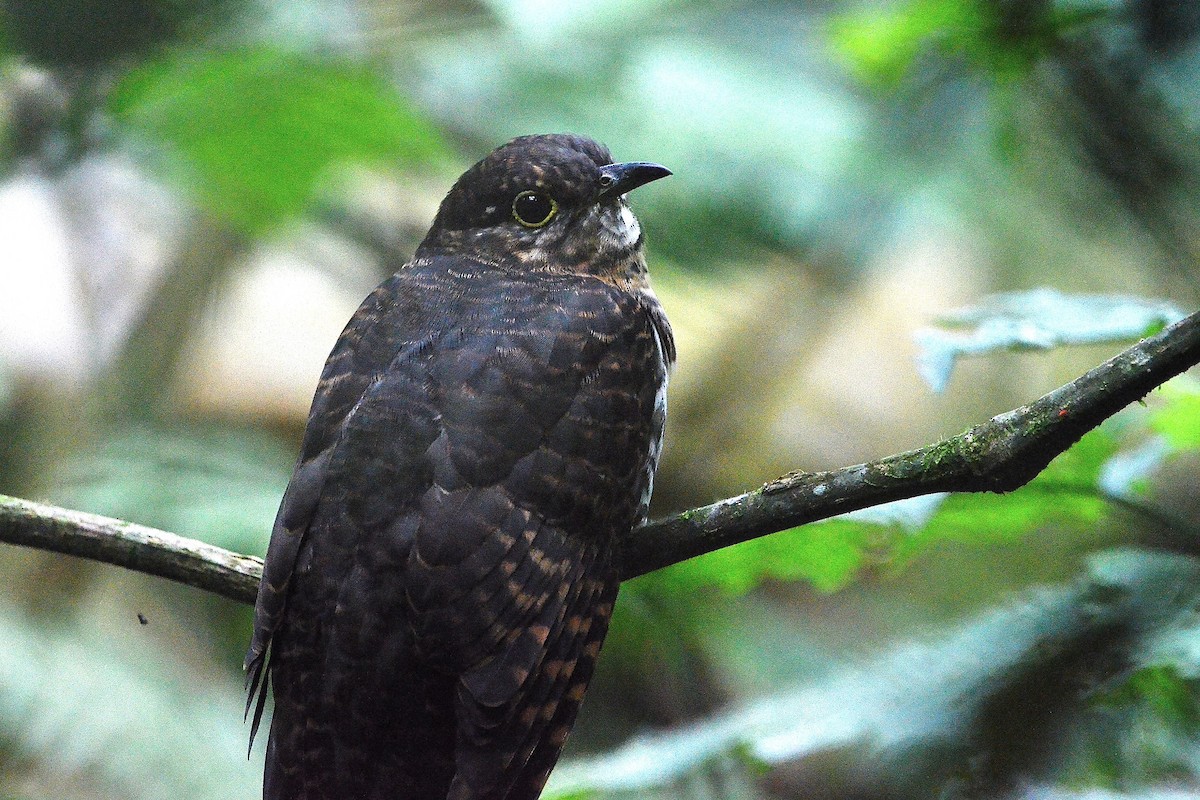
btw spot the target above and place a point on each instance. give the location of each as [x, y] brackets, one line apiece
[550, 202]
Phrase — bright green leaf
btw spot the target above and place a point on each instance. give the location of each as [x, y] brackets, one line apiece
[882, 46]
[826, 554]
[255, 131]
[1163, 691]
[1178, 418]
[1079, 467]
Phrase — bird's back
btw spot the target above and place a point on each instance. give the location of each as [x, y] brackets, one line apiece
[440, 577]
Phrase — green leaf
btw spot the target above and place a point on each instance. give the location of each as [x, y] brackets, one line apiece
[255, 131]
[1154, 722]
[1164, 692]
[1079, 467]
[923, 701]
[882, 46]
[826, 554]
[1177, 419]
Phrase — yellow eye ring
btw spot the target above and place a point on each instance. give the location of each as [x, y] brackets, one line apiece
[534, 209]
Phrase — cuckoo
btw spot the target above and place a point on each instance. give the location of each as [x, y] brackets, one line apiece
[441, 572]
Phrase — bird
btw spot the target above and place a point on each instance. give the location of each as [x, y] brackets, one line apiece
[441, 573]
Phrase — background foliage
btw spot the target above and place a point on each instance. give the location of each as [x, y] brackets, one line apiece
[195, 196]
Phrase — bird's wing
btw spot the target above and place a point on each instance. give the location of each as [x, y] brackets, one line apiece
[516, 709]
[360, 352]
[547, 434]
[473, 449]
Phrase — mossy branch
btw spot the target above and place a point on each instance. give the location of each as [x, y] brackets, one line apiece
[999, 455]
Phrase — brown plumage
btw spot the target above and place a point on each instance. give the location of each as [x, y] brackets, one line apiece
[440, 576]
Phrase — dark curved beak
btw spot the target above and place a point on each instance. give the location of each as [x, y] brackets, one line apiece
[617, 179]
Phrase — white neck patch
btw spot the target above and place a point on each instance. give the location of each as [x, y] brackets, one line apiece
[621, 229]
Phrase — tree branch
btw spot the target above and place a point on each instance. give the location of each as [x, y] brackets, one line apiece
[129, 545]
[999, 455]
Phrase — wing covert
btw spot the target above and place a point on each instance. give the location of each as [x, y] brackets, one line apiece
[360, 350]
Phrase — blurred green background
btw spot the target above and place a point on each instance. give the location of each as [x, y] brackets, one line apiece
[194, 197]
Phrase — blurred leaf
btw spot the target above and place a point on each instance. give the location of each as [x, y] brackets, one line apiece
[1036, 320]
[1177, 417]
[259, 129]
[1001, 39]
[1154, 711]
[1126, 475]
[1166, 693]
[1171, 422]
[91, 33]
[1065, 494]
[882, 46]
[221, 486]
[920, 705]
[99, 707]
[544, 20]
[1166, 791]
[826, 554]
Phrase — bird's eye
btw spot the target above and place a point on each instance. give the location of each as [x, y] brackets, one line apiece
[534, 209]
